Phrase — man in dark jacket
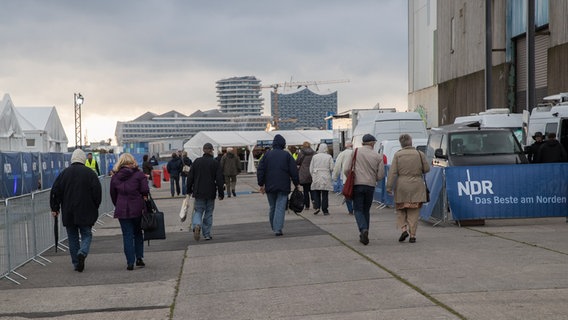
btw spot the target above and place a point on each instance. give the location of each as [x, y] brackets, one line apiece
[551, 151]
[231, 166]
[174, 167]
[205, 182]
[538, 141]
[274, 172]
[77, 193]
[186, 161]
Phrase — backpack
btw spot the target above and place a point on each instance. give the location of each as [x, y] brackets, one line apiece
[296, 202]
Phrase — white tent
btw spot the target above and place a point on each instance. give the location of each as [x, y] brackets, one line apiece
[11, 135]
[43, 129]
[249, 139]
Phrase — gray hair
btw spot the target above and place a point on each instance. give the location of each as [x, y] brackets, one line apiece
[405, 140]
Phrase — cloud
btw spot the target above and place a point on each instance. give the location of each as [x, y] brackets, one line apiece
[128, 57]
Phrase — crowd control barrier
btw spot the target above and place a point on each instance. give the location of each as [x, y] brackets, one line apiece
[497, 192]
[25, 172]
[27, 229]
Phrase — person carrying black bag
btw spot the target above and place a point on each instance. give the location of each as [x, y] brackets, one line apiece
[128, 191]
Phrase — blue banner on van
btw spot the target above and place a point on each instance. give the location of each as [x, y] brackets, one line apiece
[508, 191]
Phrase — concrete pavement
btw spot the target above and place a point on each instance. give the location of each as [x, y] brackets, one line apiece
[507, 269]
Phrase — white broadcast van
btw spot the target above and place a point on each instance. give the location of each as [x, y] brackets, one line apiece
[547, 119]
[497, 118]
[388, 126]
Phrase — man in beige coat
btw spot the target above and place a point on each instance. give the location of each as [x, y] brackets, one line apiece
[405, 175]
[369, 169]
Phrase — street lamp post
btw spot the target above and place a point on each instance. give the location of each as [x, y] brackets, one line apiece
[78, 101]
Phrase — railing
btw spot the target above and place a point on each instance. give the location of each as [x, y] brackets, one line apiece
[27, 229]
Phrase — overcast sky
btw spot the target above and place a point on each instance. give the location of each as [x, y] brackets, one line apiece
[131, 56]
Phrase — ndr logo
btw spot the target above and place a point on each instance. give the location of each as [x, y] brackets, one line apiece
[473, 188]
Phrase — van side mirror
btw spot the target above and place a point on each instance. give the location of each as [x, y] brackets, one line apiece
[439, 153]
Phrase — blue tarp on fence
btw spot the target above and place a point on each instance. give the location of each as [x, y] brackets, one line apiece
[508, 191]
[25, 172]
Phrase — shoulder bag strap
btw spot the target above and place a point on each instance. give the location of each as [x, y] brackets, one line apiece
[353, 161]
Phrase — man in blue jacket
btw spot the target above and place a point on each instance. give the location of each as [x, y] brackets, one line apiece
[274, 172]
[205, 181]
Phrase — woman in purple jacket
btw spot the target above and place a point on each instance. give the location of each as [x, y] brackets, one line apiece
[128, 190]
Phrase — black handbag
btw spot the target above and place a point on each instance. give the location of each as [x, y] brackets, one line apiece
[296, 202]
[149, 221]
[424, 178]
[153, 222]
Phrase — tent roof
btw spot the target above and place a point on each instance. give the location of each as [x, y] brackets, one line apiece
[9, 124]
[249, 138]
[44, 119]
[33, 118]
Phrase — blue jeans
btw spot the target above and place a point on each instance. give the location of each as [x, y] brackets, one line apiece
[362, 201]
[321, 200]
[76, 246]
[132, 239]
[183, 185]
[203, 215]
[174, 181]
[277, 202]
[349, 204]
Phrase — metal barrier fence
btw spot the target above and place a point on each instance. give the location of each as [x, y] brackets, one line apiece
[27, 229]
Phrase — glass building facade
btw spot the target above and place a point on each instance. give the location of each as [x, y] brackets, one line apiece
[240, 95]
[304, 109]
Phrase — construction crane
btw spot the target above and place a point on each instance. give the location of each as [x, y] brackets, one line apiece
[295, 84]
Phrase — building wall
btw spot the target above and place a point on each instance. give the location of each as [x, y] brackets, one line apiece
[305, 108]
[425, 102]
[466, 95]
[422, 44]
[558, 51]
[461, 37]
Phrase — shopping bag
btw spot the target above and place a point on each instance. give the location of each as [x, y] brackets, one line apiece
[296, 202]
[186, 208]
[159, 233]
[347, 190]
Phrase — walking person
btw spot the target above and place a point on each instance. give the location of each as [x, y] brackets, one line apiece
[128, 191]
[77, 193]
[406, 179]
[369, 169]
[147, 167]
[186, 167]
[303, 162]
[231, 166]
[174, 167]
[321, 167]
[275, 170]
[205, 182]
[339, 168]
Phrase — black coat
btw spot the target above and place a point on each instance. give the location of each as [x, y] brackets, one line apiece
[186, 162]
[551, 151]
[174, 167]
[77, 192]
[205, 179]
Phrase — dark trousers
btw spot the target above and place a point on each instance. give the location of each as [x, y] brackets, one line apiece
[321, 199]
[362, 201]
[307, 187]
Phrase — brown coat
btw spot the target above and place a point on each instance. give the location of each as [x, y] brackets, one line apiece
[405, 175]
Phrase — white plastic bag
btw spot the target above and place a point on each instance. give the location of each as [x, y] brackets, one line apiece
[186, 208]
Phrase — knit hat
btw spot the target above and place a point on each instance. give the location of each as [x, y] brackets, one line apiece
[78, 156]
